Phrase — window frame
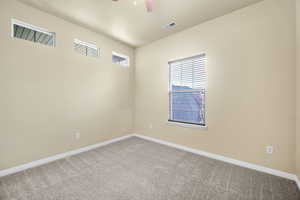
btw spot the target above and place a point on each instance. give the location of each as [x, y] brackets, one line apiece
[122, 56]
[170, 92]
[32, 27]
[86, 44]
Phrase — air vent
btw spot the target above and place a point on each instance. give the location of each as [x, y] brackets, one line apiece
[171, 25]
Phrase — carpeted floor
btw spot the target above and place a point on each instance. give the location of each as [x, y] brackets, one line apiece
[136, 169]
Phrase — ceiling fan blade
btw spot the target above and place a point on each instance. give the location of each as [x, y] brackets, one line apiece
[149, 5]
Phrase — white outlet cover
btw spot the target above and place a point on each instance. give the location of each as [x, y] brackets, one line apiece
[77, 135]
[269, 149]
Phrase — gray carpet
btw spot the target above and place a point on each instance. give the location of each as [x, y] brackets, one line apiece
[136, 169]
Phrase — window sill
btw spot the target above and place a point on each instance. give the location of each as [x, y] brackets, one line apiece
[194, 126]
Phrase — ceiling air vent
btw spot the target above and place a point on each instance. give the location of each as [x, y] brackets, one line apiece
[171, 25]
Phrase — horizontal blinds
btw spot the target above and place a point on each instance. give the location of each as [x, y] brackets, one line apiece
[188, 73]
[92, 52]
[79, 48]
[86, 49]
[27, 33]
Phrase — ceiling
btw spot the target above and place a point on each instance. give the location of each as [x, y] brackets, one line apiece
[130, 23]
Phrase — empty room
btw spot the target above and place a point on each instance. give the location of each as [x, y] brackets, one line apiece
[150, 100]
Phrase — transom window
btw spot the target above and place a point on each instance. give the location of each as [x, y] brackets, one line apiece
[120, 59]
[32, 33]
[187, 88]
[85, 48]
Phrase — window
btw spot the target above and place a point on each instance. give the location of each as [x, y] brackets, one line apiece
[187, 87]
[86, 49]
[31, 33]
[120, 59]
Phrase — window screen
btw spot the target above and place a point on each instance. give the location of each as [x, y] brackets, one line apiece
[187, 88]
[28, 32]
[85, 48]
[120, 59]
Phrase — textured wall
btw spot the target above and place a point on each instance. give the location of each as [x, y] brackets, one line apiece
[251, 85]
[47, 94]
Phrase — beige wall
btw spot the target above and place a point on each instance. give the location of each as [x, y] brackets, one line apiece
[251, 85]
[298, 87]
[47, 94]
[250, 99]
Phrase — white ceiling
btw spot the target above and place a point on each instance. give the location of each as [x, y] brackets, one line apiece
[131, 23]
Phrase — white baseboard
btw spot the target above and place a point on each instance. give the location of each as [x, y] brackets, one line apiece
[226, 159]
[297, 181]
[184, 148]
[58, 156]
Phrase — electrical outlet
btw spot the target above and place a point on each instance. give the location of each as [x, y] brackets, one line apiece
[150, 125]
[77, 135]
[269, 149]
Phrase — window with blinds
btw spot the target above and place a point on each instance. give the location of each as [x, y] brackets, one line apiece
[86, 49]
[32, 33]
[187, 87]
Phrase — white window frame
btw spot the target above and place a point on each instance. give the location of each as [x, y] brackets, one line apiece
[170, 91]
[30, 26]
[87, 44]
[127, 64]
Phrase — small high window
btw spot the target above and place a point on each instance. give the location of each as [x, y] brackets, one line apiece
[120, 59]
[86, 49]
[32, 33]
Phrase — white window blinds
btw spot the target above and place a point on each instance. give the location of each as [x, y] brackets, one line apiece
[188, 73]
[188, 81]
[32, 33]
[85, 48]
